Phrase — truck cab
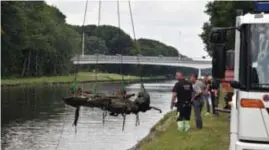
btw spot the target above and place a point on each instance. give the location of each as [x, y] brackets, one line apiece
[249, 125]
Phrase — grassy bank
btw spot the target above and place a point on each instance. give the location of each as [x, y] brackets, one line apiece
[214, 135]
[82, 77]
[156, 130]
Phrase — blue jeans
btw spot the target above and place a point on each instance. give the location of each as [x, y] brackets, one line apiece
[198, 106]
[206, 97]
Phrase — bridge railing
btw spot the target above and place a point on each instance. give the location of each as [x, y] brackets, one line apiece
[128, 58]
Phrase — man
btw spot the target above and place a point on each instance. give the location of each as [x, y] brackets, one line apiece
[214, 95]
[197, 100]
[207, 94]
[182, 91]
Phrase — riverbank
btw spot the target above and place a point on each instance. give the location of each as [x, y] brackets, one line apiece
[214, 135]
[164, 135]
[156, 130]
[83, 77]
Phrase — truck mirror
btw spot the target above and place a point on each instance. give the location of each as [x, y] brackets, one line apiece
[230, 59]
[219, 62]
[220, 35]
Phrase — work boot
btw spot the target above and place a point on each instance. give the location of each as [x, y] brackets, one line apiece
[180, 125]
[187, 125]
[207, 113]
[177, 115]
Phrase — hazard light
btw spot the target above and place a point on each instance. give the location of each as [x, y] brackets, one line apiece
[251, 103]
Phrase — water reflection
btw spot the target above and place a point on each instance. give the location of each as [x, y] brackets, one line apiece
[35, 117]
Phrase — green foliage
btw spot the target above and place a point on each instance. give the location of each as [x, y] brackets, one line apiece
[155, 48]
[223, 14]
[37, 41]
[94, 44]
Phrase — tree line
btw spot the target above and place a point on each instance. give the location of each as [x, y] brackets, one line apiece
[223, 14]
[37, 41]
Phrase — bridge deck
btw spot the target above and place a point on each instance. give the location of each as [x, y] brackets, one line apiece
[143, 60]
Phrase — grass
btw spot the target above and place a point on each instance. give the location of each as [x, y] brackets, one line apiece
[214, 135]
[82, 77]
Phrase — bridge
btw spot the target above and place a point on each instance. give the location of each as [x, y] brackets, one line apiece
[143, 60]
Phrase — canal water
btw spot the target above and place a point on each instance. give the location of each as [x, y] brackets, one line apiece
[35, 118]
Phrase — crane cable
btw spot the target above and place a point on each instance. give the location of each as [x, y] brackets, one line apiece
[74, 86]
[121, 51]
[136, 42]
[97, 55]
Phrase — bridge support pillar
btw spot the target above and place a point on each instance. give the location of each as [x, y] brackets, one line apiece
[199, 73]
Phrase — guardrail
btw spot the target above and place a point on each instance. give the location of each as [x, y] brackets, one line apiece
[131, 58]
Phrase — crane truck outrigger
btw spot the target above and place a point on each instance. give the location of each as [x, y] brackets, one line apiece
[249, 125]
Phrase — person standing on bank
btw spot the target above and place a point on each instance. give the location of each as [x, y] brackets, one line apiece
[207, 94]
[182, 91]
[197, 100]
[214, 89]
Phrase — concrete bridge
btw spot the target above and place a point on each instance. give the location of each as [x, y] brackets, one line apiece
[143, 60]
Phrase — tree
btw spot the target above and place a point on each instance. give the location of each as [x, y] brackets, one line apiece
[94, 44]
[155, 48]
[222, 14]
[37, 41]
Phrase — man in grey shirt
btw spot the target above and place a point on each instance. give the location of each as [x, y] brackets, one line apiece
[198, 100]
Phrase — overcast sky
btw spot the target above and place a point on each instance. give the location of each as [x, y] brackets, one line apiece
[176, 23]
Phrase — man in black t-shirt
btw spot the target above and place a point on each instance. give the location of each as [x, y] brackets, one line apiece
[182, 91]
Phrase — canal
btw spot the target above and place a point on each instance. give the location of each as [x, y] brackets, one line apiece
[35, 118]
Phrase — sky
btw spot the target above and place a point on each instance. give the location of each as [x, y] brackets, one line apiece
[176, 23]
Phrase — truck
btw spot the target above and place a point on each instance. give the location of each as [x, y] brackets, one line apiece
[249, 122]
